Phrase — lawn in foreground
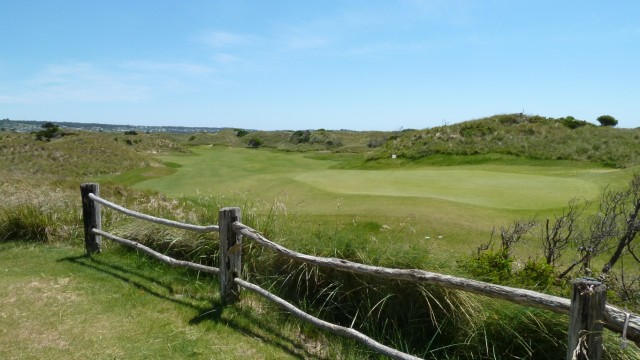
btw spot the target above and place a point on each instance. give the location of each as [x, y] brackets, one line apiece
[56, 304]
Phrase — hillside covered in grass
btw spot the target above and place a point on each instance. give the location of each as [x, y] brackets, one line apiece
[532, 137]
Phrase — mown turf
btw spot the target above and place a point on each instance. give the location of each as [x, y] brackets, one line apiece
[468, 186]
[450, 208]
[56, 304]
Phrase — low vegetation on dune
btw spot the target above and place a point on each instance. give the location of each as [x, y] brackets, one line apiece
[533, 137]
[39, 186]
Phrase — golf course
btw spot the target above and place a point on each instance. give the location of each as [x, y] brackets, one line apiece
[525, 202]
[461, 203]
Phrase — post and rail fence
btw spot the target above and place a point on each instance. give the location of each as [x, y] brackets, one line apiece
[587, 309]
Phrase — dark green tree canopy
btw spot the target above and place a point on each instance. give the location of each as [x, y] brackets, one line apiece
[49, 131]
[607, 120]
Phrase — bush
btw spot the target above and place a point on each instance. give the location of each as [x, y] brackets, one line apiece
[300, 137]
[48, 132]
[241, 132]
[508, 119]
[376, 142]
[255, 142]
[607, 120]
[535, 275]
[572, 123]
[490, 266]
[476, 129]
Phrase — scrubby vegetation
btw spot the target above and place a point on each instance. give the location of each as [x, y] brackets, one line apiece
[39, 180]
[532, 137]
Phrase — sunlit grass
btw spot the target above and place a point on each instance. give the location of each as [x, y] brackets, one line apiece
[120, 305]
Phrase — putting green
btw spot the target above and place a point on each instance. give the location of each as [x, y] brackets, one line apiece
[476, 187]
[266, 174]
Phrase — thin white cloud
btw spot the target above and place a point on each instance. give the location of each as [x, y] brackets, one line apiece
[226, 59]
[167, 67]
[223, 38]
[94, 83]
[301, 42]
[78, 82]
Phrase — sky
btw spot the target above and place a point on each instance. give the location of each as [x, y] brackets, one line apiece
[304, 64]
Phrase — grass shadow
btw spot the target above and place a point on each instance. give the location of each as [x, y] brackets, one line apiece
[268, 333]
[242, 321]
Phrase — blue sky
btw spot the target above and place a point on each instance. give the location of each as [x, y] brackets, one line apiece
[350, 64]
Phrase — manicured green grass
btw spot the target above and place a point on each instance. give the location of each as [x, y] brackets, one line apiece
[57, 304]
[491, 189]
[451, 208]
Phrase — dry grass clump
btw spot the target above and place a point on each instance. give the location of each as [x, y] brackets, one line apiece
[42, 213]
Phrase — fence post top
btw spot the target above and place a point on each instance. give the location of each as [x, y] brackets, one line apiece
[587, 281]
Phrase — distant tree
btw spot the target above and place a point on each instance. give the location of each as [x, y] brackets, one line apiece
[241, 132]
[49, 125]
[131, 132]
[607, 120]
[49, 131]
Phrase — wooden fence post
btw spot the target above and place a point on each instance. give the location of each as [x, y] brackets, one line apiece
[230, 254]
[91, 217]
[586, 317]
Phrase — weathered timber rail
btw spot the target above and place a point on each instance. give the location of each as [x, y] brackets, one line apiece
[587, 309]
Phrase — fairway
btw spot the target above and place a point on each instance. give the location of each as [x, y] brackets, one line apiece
[318, 185]
[454, 206]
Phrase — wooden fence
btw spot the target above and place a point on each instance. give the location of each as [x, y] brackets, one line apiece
[587, 308]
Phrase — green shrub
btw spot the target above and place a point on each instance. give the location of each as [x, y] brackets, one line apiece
[241, 132]
[472, 129]
[572, 123]
[508, 119]
[48, 132]
[535, 275]
[490, 266]
[300, 137]
[255, 142]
